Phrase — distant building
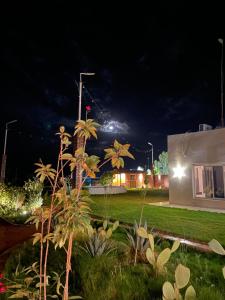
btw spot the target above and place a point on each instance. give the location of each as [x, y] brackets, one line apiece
[135, 179]
[197, 168]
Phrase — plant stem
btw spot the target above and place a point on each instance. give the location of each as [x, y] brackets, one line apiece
[49, 224]
[68, 266]
[41, 257]
[135, 257]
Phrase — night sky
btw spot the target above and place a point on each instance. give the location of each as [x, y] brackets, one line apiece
[157, 73]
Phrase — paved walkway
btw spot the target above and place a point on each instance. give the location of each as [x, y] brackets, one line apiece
[167, 204]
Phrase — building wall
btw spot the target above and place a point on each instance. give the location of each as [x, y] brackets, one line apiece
[204, 147]
[136, 180]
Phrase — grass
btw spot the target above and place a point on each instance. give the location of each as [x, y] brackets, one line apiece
[198, 225]
[114, 277]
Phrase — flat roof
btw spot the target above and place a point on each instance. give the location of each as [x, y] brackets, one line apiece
[211, 131]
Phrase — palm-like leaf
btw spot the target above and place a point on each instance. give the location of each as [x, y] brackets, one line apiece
[45, 171]
[64, 136]
[116, 153]
[86, 129]
[91, 165]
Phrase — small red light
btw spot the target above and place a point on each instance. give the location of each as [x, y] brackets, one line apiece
[88, 108]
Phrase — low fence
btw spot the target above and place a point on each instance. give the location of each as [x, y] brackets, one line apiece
[101, 190]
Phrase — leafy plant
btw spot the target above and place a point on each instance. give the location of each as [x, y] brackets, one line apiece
[106, 178]
[99, 242]
[11, 200]
[33, 194]
[157, 260]
[182, 277]
[138, 243]
[216, 247]
[161, 165]
[15, 201]
[67, 217]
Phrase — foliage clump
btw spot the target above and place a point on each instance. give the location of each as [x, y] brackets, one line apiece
[67, 219]
[19, 200]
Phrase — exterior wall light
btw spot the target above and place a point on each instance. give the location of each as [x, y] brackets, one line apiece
[179, 172]
[123, 178]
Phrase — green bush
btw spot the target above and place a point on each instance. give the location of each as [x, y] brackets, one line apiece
[33, 190]
[16, 201]
[11, 200]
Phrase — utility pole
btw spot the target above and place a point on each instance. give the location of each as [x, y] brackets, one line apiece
[152, 168]
[221, 82]
[79, 140]
[4, 156]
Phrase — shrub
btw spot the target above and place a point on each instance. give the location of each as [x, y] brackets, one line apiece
[17, 200]
[137, 244]
[11, 200]
[33, 190]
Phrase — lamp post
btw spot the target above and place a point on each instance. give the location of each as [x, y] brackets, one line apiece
[80, 92]
[3, 166]
[152, 153]
[80, 140]
[152, 168]
[221, 83]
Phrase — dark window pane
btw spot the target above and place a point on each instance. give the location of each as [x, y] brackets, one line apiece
[207, 182]
[218, 182]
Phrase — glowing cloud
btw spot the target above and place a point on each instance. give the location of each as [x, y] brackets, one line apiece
[115, 127]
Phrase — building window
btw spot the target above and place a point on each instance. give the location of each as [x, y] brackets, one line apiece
[209, 181]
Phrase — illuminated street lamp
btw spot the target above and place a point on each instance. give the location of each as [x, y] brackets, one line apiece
[3, 166]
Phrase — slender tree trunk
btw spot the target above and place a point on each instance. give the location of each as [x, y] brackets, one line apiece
[68, 266]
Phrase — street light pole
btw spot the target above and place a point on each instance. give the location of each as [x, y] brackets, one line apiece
[80, 140]
[221, 83]
[3, 166]
[152, 168]
[152, 153]
[80, 92]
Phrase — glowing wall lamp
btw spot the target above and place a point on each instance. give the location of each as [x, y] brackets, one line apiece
[140, 178]
[123, 178]
[179, 172]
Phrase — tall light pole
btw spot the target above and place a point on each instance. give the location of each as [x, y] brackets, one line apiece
[152, 153]
[152, 168]
[221, 82]
[80, 140]
[80, 92]
[3, 166]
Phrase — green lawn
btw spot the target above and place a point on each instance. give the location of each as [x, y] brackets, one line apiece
[127, 207]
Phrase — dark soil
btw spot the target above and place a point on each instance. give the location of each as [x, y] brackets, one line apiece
[12, 235]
